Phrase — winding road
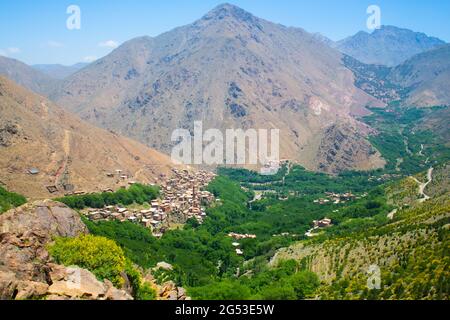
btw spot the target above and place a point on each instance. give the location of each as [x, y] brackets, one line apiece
[423, 185]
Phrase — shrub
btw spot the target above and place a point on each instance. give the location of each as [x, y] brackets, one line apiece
[9, 200]
[101, 256]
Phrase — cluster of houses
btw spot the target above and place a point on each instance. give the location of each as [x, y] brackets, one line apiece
[337, 198]
[184, 194]
[182, 198]
[318, 224]
[239, 236]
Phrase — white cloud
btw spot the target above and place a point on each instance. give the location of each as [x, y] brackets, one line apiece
[89, 58]
[13, 50]
[54, 44]
[109, 44]
[9, 51]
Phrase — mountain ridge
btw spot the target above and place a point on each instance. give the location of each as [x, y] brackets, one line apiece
[271, 76]
[388, 45]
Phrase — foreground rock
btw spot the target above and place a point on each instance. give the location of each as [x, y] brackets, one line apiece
[26, 269]
[168, 290]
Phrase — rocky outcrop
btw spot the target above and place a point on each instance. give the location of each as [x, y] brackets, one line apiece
[77, 283]
[26, 269]
[346, 146]
[168, 290]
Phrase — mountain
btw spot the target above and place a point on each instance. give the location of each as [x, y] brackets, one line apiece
[388, 45]
[426, 77]
[421, 81]
[42, 145]
[26, 76]
[229, 69]
[59, 71]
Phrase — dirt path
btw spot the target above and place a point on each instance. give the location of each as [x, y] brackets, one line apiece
[423, 185]
[66, 149]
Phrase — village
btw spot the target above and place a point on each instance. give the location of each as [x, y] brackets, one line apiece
[337, 198]
[182, 198]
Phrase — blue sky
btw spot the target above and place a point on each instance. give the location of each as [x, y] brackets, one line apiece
[35, 31]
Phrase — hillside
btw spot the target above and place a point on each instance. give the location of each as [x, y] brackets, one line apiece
[26, 76]
[426, 77]
[421, 81]
[387, 46]
[411, 253]
[41, 146]
[229, 69]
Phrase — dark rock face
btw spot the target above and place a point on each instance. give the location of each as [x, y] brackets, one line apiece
[340, 147]
[7, 132]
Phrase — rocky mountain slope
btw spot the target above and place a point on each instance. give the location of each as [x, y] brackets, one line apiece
[26, 76]
[58, 71]
[387, 46]
[422, 80]
[45, 151]
[426, 77]
[229, 69]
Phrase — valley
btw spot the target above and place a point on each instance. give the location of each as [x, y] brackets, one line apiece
[93, 207]
[279, 259]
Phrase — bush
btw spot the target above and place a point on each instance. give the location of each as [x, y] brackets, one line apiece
[101, 256]
[9, 200]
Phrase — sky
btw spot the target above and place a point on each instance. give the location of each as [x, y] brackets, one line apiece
[36, 32]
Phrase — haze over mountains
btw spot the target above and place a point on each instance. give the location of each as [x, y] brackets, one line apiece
[231, 69]
[389, 45]
[67, 152]
[59, 71]
[423, 80]
[426, 77]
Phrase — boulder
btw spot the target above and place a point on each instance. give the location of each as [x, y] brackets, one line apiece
[113, 293]
[78, 283]
[30, 289]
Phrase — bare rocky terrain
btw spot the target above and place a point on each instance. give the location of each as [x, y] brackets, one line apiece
[229, 69]
[42, 146]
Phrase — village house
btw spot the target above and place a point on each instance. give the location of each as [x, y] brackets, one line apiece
[182, 198]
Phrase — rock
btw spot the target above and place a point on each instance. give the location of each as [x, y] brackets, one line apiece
[113, 293]
[57, 272]
[25, 231]
[164, 265]
[42, 219]
[8, 284]
[30, 289]
[26, 269]
[181, 293]
[172, 295]
[79, 283]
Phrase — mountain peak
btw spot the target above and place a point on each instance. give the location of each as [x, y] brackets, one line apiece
[227, 10]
